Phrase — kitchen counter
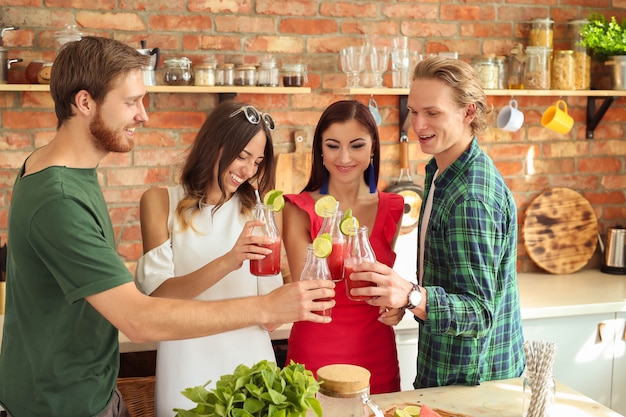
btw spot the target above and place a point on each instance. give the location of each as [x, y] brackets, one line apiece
[491, 399]
[542, 296]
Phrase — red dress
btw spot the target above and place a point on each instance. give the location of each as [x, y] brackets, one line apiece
[355, 336]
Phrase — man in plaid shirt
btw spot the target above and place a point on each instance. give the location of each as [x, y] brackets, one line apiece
[466, 299]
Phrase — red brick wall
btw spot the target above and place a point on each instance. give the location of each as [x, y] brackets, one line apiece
[313, 31]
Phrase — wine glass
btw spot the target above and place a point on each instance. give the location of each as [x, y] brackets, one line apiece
[379, 61]
[352, 63]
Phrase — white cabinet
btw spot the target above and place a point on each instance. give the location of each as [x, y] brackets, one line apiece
[590, 354]
[618, 396]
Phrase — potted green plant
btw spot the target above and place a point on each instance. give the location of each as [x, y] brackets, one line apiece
[263, 390]
[606, 39]
[603, 37]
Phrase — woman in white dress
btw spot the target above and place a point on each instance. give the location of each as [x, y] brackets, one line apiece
[197, 245]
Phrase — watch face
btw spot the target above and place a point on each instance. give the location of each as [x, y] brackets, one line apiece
[415, 298]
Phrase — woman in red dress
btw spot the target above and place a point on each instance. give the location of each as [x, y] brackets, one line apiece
[346, 155]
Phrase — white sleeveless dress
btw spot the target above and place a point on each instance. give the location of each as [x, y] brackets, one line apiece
[187, 363]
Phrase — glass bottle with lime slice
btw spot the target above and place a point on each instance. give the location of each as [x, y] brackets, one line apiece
[359, 250]
[332, 220]
[270, 265]
[316, 268]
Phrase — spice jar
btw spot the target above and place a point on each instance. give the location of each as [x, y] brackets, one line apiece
[563, 73]
[294, 75]
[537, 70]
[541, 33]
[267, 75]
[486, 67]
[225, 74]
[204, 73]
[178, 71]
[344, 391]
[245, 74]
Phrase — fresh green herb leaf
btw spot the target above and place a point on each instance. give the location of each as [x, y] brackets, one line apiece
[263, 390]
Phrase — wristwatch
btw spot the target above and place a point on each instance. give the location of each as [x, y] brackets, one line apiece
[414, 298]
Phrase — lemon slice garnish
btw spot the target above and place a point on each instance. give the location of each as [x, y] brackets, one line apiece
[322, 245]
[274, 199]
[349, 225]
[326, 205]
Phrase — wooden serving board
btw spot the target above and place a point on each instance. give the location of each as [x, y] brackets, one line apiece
[560, 231]
[293, 169]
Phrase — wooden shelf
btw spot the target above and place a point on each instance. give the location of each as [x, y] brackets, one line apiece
[180, 89]
[537, 93]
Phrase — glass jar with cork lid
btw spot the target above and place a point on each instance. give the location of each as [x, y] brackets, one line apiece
[344, 391]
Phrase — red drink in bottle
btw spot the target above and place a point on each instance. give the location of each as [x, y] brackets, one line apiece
[270, 265]
[335, 261]
[350, 284]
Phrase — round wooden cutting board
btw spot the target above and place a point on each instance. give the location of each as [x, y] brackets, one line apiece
[560, 231]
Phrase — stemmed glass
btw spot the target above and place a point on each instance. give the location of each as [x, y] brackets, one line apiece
[379, 61]
[352, 63]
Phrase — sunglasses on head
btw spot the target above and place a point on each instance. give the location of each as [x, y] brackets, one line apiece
[254, 116]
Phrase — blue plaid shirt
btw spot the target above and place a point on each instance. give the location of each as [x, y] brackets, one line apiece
[473, 328]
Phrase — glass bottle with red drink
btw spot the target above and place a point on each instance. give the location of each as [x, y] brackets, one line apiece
[316, 268]
[336, 258]
[358, 250]
[270, 265]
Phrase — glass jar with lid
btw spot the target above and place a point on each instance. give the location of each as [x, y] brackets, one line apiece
[294, 74]
[344, 391]
[486, 67]
[537, 69]
[205, 73]
[267, 74]
[541, 32]
[225, 74]
[582, 57]
[178, 71]
[563, 73]
[245, 75]
[69, 34]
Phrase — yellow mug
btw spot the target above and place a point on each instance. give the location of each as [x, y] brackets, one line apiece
[557, 119]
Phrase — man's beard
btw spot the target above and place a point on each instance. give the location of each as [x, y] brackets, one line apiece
[106, 138]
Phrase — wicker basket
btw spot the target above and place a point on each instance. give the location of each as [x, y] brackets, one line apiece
[138, 394]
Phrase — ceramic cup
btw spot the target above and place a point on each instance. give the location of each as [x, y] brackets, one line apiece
[557, 119]
[373, 106]
[510, 118]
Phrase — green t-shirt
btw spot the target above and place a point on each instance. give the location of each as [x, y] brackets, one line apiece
[59, 356]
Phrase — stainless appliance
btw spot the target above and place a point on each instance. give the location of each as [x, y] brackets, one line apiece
[149, 77]
[614, 261]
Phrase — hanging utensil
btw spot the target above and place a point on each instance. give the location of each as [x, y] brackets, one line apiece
[413, 194]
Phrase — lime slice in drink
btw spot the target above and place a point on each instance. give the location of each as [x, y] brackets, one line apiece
[322, 245]
[325, 206]
[347, 214]
[349, 225]
[274, 199]
[401, 413]
[413, 410]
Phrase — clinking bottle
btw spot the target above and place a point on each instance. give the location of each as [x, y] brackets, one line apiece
[358, 250]
[316, 268]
